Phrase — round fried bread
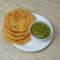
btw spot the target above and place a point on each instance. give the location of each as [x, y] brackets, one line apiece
[19, 20]
[15, 33]
[14, 37]
[19, 42]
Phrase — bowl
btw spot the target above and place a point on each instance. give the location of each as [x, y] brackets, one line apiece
[43, 38]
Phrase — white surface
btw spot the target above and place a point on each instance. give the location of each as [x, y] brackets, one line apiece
[34, 44]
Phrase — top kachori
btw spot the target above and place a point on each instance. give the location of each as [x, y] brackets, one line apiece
[19, 20]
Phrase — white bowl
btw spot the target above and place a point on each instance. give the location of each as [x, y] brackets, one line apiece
[42, 22]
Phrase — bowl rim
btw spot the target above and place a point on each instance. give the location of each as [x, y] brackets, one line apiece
[34, 36]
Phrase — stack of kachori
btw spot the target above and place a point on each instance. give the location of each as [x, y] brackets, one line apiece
[16, 26]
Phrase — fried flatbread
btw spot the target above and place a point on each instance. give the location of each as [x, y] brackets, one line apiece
[19, 20]
[19, 42]
[14, 37]
[15, 33]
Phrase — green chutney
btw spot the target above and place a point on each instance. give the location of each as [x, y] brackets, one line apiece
[40, 30]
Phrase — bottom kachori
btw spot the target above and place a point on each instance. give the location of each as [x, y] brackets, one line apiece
[19, 42]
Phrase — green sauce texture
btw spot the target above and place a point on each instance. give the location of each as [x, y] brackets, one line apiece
[40, 30]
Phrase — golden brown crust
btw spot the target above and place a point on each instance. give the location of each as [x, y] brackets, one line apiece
[19, 42]
[16, 26]
[15, 33]
[14, 37]
[19, 20]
